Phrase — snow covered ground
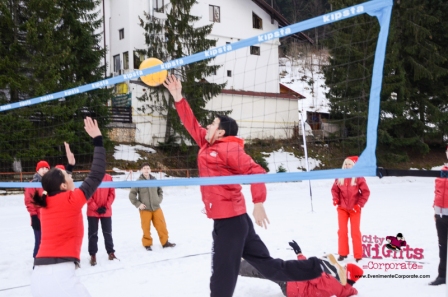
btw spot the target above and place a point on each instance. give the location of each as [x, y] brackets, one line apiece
[396, 205]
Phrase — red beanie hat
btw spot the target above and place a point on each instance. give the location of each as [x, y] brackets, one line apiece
[353, 158]
[62, 167]
[42, 164]
[354, 273]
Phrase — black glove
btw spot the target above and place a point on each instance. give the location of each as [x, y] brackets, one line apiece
[35, 222]
[295, 247]
[101, 210]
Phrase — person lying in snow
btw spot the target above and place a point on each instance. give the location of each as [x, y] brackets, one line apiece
[334, 281]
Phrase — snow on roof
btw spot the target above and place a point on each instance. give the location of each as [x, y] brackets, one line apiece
[304, 76]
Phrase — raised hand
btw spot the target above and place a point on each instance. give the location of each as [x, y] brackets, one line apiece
[295, 247]
[174, 86]
[91, 127]
[70, 156]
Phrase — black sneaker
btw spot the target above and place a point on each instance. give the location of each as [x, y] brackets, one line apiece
[148, 248]
[438, 281]
[342, 258]
[169, 244]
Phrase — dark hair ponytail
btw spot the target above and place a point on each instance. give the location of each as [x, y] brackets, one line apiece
[51, 183]
[40, 200]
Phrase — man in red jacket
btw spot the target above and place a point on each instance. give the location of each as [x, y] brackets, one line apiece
[42, 167]
[221, 153]
[99, 208]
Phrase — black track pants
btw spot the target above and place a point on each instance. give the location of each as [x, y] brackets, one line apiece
[235, 238]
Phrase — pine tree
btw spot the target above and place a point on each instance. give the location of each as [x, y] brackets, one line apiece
[281, 169]
[414, 93]
[413, 89]
[47, 47]
[349, 73]
[173, 38]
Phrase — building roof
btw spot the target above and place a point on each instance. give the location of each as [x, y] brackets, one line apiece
[286, 90]
[282, 22]
[291, 95]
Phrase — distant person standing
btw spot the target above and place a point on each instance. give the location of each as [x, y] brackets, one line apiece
[99, 208]
[441, 218]
[350, 195]
[148, 200]
[42, 167]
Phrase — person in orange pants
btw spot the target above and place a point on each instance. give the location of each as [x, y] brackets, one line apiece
[148, 200]
[350, 195]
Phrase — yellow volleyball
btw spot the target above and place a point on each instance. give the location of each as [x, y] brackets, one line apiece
[153, 79]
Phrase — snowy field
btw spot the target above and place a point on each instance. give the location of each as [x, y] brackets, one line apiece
[396, 205]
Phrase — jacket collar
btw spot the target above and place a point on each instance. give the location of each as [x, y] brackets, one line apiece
[37, 178]
[238, 140]
[142, 177]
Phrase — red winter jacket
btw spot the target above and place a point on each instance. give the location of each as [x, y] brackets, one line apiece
[29, 194]
[323, 286]
[441, 191]
[62, 226]
[347, 196]
[224, 157]
[102, 197]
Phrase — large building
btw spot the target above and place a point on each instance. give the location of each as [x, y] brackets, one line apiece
[252, 73]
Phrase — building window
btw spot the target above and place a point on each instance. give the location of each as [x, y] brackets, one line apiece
[126, 60]
[138, 59]
[214, 14]
[257, 22]
[229, 73]
[121, 34]
[117, 64]
[158, 5]
[255, 50]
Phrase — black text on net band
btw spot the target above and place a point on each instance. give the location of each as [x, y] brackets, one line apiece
[382, 172]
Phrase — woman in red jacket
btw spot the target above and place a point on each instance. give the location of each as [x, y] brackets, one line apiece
[99, 208]
[62, 223]
[350, 195]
